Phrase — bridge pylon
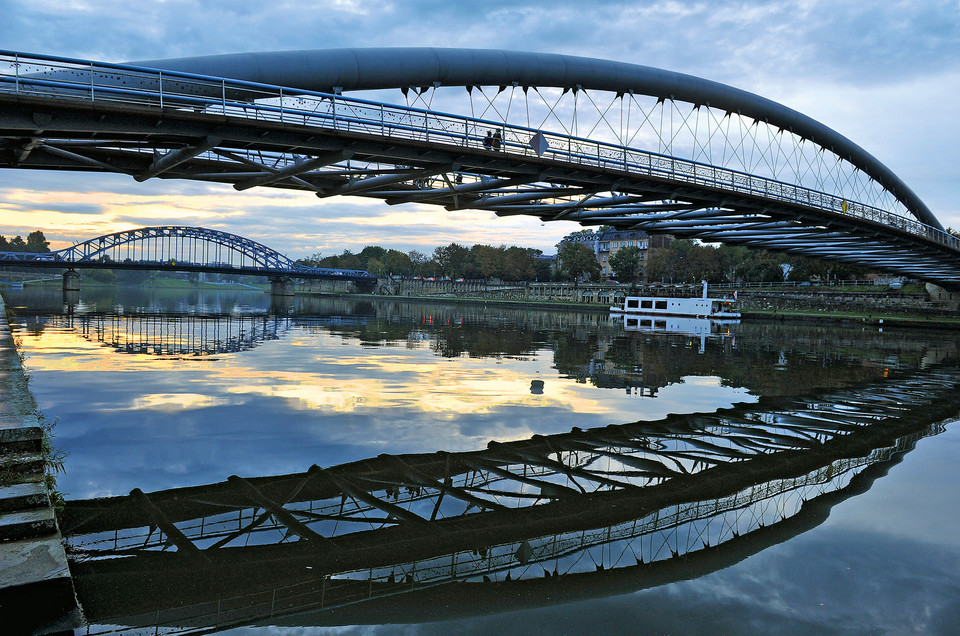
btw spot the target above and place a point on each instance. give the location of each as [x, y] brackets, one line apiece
[71, 281]
[281, 286]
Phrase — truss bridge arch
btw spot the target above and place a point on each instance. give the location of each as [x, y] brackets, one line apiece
[182, 248]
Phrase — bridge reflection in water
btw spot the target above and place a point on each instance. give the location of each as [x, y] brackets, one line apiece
[178, 335]
[547, 519]
[175, 334]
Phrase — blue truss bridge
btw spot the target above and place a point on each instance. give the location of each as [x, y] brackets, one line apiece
[181, 248]
[550, 136]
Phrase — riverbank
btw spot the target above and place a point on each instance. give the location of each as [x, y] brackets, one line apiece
[868, 317]
[36, 591]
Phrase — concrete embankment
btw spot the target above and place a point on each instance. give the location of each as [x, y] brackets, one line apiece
[36, 591]
[883, 307]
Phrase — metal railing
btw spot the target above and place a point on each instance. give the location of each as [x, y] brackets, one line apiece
[71, 79]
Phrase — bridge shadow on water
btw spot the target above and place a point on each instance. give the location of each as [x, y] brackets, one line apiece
[546, 520]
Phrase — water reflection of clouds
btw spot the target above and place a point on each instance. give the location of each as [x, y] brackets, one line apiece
[274, 410]
[908, 507]
[175, 401]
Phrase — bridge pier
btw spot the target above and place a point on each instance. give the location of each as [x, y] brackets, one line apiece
[281, 286]
[71, 281]
[951, 299]
[70, 300]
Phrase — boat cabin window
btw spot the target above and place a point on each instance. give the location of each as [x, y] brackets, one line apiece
[646, 323]
[661, 304]
[632, 322]
[646, 304]
[632, 303]
[660, 324]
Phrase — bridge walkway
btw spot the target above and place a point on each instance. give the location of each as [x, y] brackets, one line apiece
[34, 564]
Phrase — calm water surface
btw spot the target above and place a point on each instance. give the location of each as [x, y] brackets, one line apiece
[161, 391]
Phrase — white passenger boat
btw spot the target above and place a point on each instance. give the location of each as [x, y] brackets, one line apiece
[703, 307]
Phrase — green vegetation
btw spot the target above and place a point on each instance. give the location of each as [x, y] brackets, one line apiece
[53, 459]
[627, 264]
[451, 261]
[36, 242]
[577, 261]
[686, 261]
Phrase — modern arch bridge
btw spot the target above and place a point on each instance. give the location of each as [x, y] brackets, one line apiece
[182, 248]
[592, 141]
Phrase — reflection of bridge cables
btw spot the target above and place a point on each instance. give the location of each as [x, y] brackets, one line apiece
[758, 472]
[176, 335]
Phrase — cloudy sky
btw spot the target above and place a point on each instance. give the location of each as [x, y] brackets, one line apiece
[886, 74]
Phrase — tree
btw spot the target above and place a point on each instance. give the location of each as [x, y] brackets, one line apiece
[369, 253]
[627, 264]
[311, 261]
[488, 262]
[418, 262]
[577, 260]
[396, 262]
[542, 267]
[454, 260]
[658, 267]
[349, 260]
[520, 263]
[37, 242]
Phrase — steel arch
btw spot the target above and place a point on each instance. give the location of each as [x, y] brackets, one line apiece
[260, 255]
[260, 258]
[352, 69]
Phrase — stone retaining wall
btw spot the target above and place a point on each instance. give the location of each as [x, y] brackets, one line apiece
[890, 302]
[870, 303]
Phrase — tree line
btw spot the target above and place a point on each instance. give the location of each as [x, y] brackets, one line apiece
[452, 261]
[687, 261]
[36, 243]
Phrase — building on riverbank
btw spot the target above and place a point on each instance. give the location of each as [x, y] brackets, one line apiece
[606, 243]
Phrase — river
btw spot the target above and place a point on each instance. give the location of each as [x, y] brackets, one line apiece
[188, 395]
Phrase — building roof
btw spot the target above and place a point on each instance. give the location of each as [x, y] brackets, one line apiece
[619, 235]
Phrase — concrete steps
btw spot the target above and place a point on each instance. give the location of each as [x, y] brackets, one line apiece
[36, 591]
[21, 467]
[24, 524]
[23, 496]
